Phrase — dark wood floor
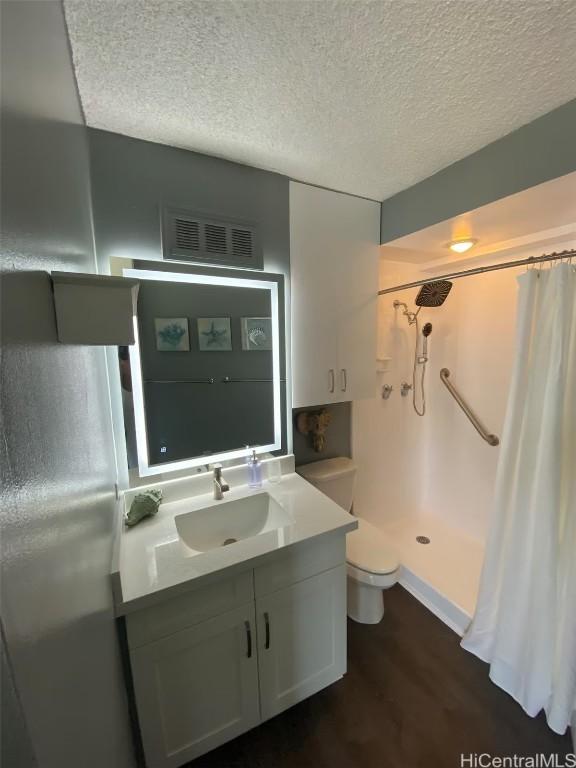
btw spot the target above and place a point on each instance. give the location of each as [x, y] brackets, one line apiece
[412, 697]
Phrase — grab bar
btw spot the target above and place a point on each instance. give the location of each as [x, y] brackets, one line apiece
[476, 423]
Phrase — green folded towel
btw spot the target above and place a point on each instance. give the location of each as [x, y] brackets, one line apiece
[143, 505]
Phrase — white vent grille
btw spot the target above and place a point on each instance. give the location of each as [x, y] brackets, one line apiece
[196, 237]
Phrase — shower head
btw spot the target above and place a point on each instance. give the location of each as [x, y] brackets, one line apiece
[433, 294]
[427, 330]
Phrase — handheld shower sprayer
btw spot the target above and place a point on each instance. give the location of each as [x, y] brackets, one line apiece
[431, 294]
[426, 331]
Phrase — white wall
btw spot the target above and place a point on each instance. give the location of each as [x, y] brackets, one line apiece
[385, 433]
[438, 464]
[474, 337]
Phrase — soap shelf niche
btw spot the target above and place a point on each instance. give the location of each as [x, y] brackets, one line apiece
[94, 309]
[383, 364]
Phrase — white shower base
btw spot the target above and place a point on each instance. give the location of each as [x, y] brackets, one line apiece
[444, 574]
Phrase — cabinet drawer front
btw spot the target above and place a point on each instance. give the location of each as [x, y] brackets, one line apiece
[299, 563]
[188, 609]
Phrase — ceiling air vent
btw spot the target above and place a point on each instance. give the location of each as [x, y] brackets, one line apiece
[242, 242]
[201, 237]
[215, 236]
[187, 234]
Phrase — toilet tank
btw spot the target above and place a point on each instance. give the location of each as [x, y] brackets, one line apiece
[334, 477]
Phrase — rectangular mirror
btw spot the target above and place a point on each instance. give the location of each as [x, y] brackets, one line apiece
[206, 369]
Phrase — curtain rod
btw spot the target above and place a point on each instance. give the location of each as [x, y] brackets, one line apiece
[478, 270]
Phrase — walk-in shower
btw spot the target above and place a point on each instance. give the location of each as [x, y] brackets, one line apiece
[430, 295]
[439, 480]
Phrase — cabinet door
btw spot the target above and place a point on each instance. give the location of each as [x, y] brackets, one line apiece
[334, 270]
[197, 688]
[301, 640]
[358, 302]
[314, 292]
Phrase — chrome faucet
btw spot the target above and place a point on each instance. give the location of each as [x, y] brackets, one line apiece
[220, 487]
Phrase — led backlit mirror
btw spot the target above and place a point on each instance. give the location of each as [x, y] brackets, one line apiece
[207, 370]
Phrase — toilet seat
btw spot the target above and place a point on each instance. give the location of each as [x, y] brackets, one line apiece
[370, 557]
[381, 581]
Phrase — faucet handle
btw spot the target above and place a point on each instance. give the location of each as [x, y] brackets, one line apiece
[218, 476]
[220, 484]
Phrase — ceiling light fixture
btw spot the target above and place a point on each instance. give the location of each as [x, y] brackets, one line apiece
[463, 245]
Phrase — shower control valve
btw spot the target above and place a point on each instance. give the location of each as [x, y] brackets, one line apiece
[387, 390]
[405, 388]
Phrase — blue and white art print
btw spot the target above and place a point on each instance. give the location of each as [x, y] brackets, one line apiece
[214, 334]
[256, 333]
[172, 334]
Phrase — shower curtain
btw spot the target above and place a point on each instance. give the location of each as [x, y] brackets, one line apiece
[525, 620]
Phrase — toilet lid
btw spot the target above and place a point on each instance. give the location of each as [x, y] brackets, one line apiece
[368, 548]
[326, 470]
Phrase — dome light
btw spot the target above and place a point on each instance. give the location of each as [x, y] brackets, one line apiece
[461, 246]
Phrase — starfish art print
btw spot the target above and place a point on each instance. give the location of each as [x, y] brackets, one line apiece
[214, 334]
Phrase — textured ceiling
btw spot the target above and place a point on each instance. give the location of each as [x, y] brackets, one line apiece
[364, 97]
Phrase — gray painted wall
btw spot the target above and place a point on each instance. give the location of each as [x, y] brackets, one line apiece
[15, 743]
[57, 506]
[338, 435]
[542, 150]
[133, 180]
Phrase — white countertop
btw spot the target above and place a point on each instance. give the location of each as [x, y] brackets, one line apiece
[152, 561]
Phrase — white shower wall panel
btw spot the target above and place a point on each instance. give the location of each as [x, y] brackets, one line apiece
[437, 465]
[386, 434]
[474, 337]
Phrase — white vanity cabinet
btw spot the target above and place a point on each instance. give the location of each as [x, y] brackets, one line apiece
[216, 661]
[334, 241]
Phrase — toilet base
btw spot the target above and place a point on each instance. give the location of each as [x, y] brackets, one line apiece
[365, 603]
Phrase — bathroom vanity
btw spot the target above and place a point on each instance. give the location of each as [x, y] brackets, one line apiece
[233, 599]
[223, 636]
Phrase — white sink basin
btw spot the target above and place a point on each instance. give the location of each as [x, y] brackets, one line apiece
[229, 521]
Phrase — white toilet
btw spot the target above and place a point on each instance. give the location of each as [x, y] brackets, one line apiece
[372, 562]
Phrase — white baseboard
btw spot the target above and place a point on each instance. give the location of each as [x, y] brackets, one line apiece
[452, 615]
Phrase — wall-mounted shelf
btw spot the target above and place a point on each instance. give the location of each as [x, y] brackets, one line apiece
[94, 309]
[383, 364]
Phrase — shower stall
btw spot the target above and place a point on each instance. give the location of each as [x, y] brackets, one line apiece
[427, 463]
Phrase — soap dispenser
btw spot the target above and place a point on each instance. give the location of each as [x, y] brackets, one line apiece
[254, 471]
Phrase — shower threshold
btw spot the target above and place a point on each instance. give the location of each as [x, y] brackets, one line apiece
[440, 566]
